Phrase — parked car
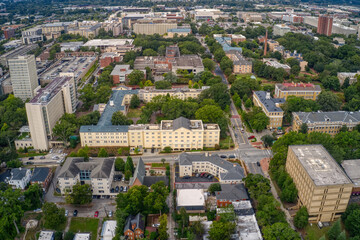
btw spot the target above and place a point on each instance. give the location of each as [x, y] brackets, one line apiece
[51, 150]
[96, 214]
[121, 188]
[117, 189]
[66, 213]
[31, 158]
[242, 130]
[112, 190]
[156, 225]
[210, 176]
[206, 175]
[55, 158]
[186, 177]
[29, 163]
[110, 213]
[123, 179]
[231, 156]
[251, 137]
[125, 189]
[197, 175]
[75, 213]
[42, 157]
[223, 156]
[258, 163]
[202, 175]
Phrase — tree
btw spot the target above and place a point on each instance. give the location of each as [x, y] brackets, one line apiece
[163, 161]
[167, 149]
[149, 52]
[83, 153]
[103, 94]
[128, 175]
[342, 236]
[119, 164]
[301, 218]
[163, 84]
[80, 194]
[63, 130]
[33, 197]
[218, 92]
[221, 230]
[248, 103]
[334, 231]
[280, 231]
[344, 128]
[244, 86]
[162, 230]
[267, 140]
[197, 228]
[209, 64]
[135, 77]
[257, 119]
[54, 217]
[103, 153]
[184, 220]
[135, 101]
[226, 63]
[214, 187]
[170, 77]
[303, 128]
[328, 101]
[118, 118]
[69, 236]
[219, 54]
[129, 165]
[352, 222]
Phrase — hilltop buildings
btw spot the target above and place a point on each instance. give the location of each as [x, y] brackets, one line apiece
[326, 122]
[323, 187]
[271, 107]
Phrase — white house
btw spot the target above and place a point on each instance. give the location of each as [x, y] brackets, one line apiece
[108, 230]
[20, 177]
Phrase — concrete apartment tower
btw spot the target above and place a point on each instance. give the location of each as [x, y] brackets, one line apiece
[325, 24]
[23, 76]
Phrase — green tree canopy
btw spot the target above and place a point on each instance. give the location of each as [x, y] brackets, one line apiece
[54, 217]
[80, 194]
[118, 118]
[301, 218]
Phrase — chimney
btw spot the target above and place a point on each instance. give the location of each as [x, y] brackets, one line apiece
[265, 43]
[267, 95]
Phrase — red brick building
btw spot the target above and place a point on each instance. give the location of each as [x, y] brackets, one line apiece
[9, 33]
[231, 193]
[325, 23]
[108, 58]
[134, 227]
[42, 176]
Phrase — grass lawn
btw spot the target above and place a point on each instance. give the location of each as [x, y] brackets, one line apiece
[134, 113]
[159, 164]
[314, 233]
[224, 143]
[85, 225]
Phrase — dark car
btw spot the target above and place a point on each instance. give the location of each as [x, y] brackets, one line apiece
[112, 190]
[223, 156]
[117, 189]
[231, 156]
[186, 177]
[121, 188]
[258, 163]
[197, 175]
[210, 176]
[42, 157]
[31, 158]
[75, 213]
[29, 163]
[206, 175]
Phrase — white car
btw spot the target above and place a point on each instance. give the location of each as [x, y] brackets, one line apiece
[66, 213]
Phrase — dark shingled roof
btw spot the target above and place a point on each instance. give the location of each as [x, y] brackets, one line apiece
[232, 192]
[150, 180]
[18, 173]
[40, 174]
[181, 122]
[139, 172]
[339, 116]
[100, 168]
[234, 170]
[270, 104]
[138, 219]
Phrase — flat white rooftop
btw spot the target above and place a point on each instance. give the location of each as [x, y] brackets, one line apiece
[320, 165]
[190, 197]
[82, 236]
[108, 42]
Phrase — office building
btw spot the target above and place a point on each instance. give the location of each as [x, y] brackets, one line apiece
[109, 57]
[153, 28]
[88, 29]
[341, 29]
[326, 122]
[120, 74]
[236, 38]
[352, 169]
[225, 42]
[323, 187]
[148, 93]
[32, 35]
[47, 107]
[325, 24]
[272, 62]
[9, 33]
[192, 200]
[271, 107]
[113, 45]
[206, 14]
[19, 50]
[226, 172]
[71, 46]
[298, 56]
[304, 90]
[240, 64]
[280, 30]
[98, 173]
[23, 76]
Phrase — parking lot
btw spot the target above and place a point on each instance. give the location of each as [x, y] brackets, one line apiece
[54, 157]
[119, 184]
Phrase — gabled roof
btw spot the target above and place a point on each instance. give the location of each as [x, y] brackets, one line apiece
[139, 173]
[40, 174]
[181, 122]
[139, 220]
[339, 116]
[232, 192]
[100, 168]
[70, 169]
[18, 173]
[103, 170]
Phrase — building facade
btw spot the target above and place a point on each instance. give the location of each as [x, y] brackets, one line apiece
[226, 172]
[148, 93]
[325, 122]
[153, 28]
[24, 78]
[98, 173]
[134, 227]
[325, 24]
[240, 64]
[304, 90]
[20, 178]
[323, 187]
[271, 107]
[47, 107]
[280, 29]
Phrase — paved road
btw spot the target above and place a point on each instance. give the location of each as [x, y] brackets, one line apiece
[171, 222]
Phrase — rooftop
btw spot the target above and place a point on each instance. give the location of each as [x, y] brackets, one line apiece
[46, 235]
[271, 104]
[118, 69]
[321, 117]
[224, 42]
[190, 197]
[247, 228]
[108, 42]
[298, 87]
[232, 192]
[352, 169]
[320, 165]
[45, 94]
[40, 174]
[18, 173]
[82, 236]
[182, 30]
[108, 230]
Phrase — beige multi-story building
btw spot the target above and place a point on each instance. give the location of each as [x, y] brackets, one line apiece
[351, 76]
[55, 27]
[304, 90]
[88, 30]
[326, 122]
[226, 172]
[153, 28]
[323, 187]
[23, 75]
[47, 107]
[241, 65]
[148, 93]
[98, 173]
[271, 107]
[179, 134]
